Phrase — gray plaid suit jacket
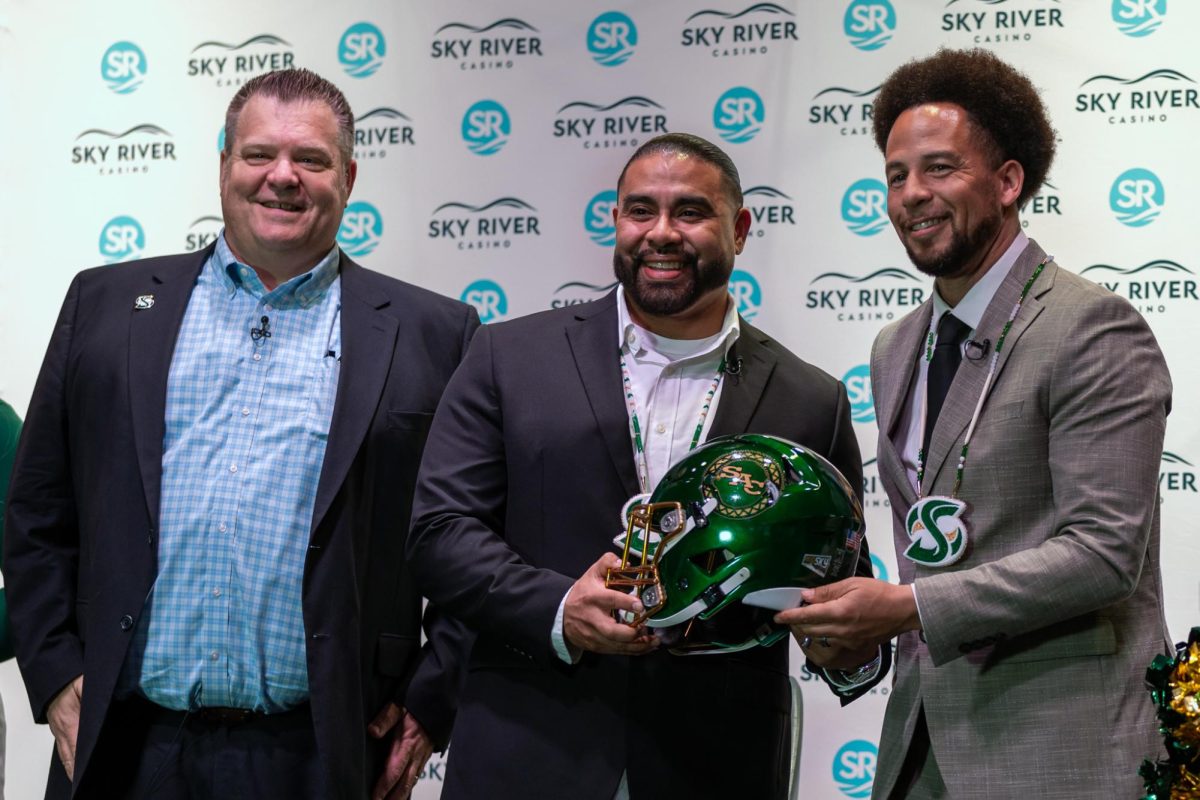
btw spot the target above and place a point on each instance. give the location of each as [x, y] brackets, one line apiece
[1036, 643]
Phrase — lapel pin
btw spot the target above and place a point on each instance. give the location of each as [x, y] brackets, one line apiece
[143, 302]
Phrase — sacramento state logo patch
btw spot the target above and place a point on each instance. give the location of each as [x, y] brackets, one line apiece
[742, 484]
[937, 531]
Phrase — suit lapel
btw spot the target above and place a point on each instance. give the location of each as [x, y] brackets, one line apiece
[368, 341]
[901, 356]
[741, 393]
[152, 335]
[592, 337]
[968, 384]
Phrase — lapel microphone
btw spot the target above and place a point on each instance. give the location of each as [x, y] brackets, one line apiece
[974, 350]
[263, 332]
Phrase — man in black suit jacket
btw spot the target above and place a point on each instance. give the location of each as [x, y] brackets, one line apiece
[528, 463]
[83, 558]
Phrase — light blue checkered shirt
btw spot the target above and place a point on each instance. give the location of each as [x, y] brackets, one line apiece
[247, 421]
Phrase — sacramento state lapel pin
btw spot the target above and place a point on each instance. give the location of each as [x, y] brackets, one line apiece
[143, 301]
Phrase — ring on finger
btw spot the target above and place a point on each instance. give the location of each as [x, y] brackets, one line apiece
[824, 641]
[806, 641]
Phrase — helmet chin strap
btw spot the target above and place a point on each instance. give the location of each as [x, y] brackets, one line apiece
[706, 600]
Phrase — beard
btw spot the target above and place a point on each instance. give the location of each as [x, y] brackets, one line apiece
[962, 250]
[664, 299]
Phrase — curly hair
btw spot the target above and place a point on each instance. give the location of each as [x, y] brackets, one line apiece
[1002, 104]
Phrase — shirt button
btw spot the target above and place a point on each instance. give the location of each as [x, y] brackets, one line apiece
[245, 412]
[222, 527]
[233, 467]
[661, 428]
[214, 655]
[267, 307]
[216, 592]
[258, 356]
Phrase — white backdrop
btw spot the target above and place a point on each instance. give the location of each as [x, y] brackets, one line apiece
[491, 136]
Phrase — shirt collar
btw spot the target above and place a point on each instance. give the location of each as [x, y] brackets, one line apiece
[301, 291]
[634, 336]
[970, 309]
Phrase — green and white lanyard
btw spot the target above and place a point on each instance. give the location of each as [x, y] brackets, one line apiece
[936, 530]
[643, 466]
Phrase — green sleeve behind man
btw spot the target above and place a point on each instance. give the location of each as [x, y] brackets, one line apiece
[10, 430]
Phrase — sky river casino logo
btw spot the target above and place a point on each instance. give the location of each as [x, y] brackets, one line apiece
[497, 45]
[488, 298]
[864, 207]
[129, 152]
[849, 111]
[1152, 97]
[484, 227]
[1137, 197]
[1138, 18]
[123, 67]
[122, 239]
[746, 293]
[232, 64]
[380, 131]
[361, 50]
[202, 232]
[361, 229]
[623, 123]
[598, 218]
[869, 24]
[738, 115]
[739, 33]
[611, 39]
[1176, 476]
[854, 768]
[486, 127]
[881, 296]
[1159, 286]
[770, 208]
[996, 21]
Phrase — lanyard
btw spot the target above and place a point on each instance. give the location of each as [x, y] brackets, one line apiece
[930, 342]
[643, 465]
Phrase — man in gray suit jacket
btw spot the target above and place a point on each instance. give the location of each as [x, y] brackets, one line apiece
[1030, 601]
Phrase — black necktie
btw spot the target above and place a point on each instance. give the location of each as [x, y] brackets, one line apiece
[947, 354]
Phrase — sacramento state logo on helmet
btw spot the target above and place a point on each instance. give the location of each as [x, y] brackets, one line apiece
[743, 524]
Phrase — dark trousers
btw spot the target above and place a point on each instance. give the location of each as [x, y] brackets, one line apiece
[149, 752]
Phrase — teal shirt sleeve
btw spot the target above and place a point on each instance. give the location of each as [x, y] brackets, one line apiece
[10, 430]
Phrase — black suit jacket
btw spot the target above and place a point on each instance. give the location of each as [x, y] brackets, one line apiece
[528, 463]
[81, 551]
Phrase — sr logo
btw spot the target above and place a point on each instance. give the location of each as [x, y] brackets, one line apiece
[864, 207]
[746, 293]
[361, 229]
[122, 239]
[361, 50]
[869, 24]
[881, 570]
[1138, 17]
[1137, 197]
[612, 39]
[858, 387]
[854, 768]
[221, 140]
[486, 128]
[123, 67]
[598, 218]
[738, 115]
[488, 299]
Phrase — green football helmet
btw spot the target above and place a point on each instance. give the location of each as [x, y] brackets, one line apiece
[730, 535]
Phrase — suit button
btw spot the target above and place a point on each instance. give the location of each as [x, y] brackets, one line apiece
[126, 622]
